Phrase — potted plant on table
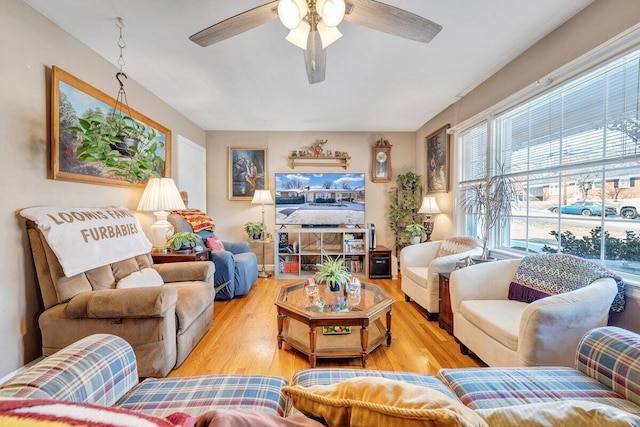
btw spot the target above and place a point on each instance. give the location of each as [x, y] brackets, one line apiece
[415, 232]
[126, 147]
[334, 273]
[489, 201]
[184, 240]
[255, 229]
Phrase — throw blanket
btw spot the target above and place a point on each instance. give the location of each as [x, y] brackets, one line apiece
[197, 219]
[542, 275]
[86, 238]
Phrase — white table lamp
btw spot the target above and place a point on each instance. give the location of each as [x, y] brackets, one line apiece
[429, 207]
[160, 196]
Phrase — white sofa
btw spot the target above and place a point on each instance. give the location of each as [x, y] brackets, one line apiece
[421, 264]
[505, 332]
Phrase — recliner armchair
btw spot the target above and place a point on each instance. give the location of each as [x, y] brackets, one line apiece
[162, 323]
[236, 266]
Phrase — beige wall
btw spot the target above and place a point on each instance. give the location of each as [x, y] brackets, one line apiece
[231, 215]
[596, 24]
[30, 46]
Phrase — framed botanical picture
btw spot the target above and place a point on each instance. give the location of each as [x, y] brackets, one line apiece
[438, 153]
[72, 100]
[247, 172]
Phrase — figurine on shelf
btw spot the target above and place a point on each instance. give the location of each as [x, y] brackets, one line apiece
[318, 147]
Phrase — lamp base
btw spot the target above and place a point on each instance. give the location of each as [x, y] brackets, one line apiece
[264, 274]
[160, 231]
[428, 229]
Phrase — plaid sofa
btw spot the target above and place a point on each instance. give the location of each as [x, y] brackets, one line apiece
[101, 369]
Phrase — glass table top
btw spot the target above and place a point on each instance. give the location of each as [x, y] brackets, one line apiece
[319, 300]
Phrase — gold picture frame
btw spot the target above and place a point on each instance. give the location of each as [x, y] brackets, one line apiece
[247, 171]
[438, 149]
[72, 98]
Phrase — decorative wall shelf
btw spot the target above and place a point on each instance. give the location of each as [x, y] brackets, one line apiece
[327, 161]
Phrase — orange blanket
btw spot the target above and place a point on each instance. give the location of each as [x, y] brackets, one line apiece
[197, 219]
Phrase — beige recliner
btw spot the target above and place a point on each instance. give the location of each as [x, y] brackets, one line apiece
[162, 323]
[421, 264]
[504, 332]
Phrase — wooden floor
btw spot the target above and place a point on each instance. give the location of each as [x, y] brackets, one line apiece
[242, 340]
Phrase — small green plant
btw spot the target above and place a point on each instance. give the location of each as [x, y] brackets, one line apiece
[124, 146]
[414, 230]
[333, 272]
[254, 229]
[184, 239]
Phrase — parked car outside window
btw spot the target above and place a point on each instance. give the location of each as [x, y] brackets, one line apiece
[584, 208]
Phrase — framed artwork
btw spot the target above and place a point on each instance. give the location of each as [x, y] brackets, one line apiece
[71, 99]
[247, 172]
[438, 153]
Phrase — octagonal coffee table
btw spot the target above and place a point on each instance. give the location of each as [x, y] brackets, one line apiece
[333, 325]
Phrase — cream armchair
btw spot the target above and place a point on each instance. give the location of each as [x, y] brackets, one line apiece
[421, 264]
[503, 332]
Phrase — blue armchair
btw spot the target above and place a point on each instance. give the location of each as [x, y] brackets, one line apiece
[236, 266]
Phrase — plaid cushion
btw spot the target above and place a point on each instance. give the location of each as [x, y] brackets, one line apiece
[612, 356]
[97, 369]
[485, 388]
[197, 219]
[197, 395]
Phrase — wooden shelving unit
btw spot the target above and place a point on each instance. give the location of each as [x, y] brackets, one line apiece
[326, 161]
[298, 251]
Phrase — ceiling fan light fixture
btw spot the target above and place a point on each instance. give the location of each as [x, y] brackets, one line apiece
[331, 11]
[328, 34]
[299, 35]
[291, 12]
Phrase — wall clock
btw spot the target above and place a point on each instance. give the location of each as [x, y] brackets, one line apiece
[381, 161]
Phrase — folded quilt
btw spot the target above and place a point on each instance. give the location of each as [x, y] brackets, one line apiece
[197, 219]
[542, 275]
[86, 238]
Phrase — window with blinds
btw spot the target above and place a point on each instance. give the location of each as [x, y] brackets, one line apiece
[574, 154]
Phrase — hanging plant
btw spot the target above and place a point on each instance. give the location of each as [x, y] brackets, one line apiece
[124, 146]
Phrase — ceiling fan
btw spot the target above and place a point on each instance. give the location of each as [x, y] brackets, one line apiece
[313, 25]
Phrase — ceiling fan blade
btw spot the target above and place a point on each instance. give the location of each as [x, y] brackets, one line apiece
[236, 24]
[315, 58]
[391, 20]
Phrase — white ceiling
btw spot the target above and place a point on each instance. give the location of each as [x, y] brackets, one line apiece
[257, 80]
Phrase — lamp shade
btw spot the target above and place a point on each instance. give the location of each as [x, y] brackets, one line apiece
[429, 206]
[299, 35]
[160, 194]
[331, 11]
[262, 197]
[328, 34]
[291, 12]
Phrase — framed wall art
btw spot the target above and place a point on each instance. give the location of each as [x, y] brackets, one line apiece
[73, 99]
[438, 153]
[247, 172]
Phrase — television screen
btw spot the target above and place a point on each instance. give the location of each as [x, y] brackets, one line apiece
[320, 199]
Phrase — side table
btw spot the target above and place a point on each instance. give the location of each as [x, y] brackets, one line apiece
[380, 263]
[162, 257]
[445, 316]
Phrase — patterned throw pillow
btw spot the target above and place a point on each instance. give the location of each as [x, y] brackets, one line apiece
[214, 243]
[455, 245]
[57, 413]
